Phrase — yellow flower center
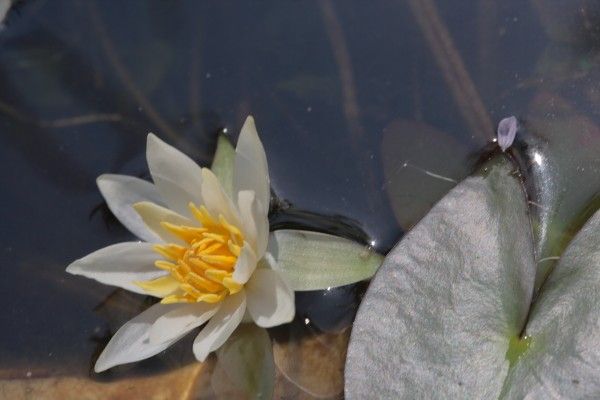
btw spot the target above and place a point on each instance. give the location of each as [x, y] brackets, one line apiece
[203, 267]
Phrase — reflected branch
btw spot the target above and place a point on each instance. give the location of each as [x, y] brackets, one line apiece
[344, 63]
[65, 122]
[81, 120]
[125, 77]
[351, 109]
[453, 68]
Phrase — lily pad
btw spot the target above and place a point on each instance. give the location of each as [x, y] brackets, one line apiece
[446, 316]
[563, 360]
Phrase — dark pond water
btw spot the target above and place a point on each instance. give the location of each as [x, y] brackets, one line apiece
[369, 113]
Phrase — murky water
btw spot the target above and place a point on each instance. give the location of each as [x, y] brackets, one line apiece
[369, 113]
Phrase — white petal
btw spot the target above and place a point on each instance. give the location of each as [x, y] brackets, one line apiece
[177, 177]
[255, 222]
[181, 321]
[220, 326]
[270, 298]
[119, 265]
[251, 170]
[131, 342]
[120, 193]
[248, 226]
[245, 264]
[215, 200]
[153, 214]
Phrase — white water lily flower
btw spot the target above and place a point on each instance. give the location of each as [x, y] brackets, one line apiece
[200, 253]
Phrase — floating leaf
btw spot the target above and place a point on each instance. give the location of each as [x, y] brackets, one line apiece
[245, 367]
[315, 261]
[445, 317]
[563, 360]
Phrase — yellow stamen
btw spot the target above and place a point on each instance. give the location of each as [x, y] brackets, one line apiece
[202, 244]
[167, 266]
[183, 268]
[212, 298]
[202, 215]
[234, 248]
[190, 290]
[201, 269]
[198, 263]
[224, 261]
[175, 299]
[160, 287]
[216, 275]
[201, 282]
[232, 229]
[171, 251]
[218, 238]
[212, 248]
[232, 285]
[185, 233]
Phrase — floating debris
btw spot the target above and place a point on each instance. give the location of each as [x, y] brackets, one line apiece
[507, 130]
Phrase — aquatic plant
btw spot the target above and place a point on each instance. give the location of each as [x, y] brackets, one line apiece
[453, 313]
[207, 252]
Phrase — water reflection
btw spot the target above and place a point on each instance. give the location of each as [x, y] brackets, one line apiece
[364, 109]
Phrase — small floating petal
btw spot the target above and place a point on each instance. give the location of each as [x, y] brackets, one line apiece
[507, 130]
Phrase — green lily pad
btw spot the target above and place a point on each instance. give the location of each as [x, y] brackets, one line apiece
[563, 360]
[447, 315]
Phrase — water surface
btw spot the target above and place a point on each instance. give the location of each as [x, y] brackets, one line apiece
[369, 113]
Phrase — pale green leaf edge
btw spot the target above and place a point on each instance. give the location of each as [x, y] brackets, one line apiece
[317, 261]
[223, 164]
